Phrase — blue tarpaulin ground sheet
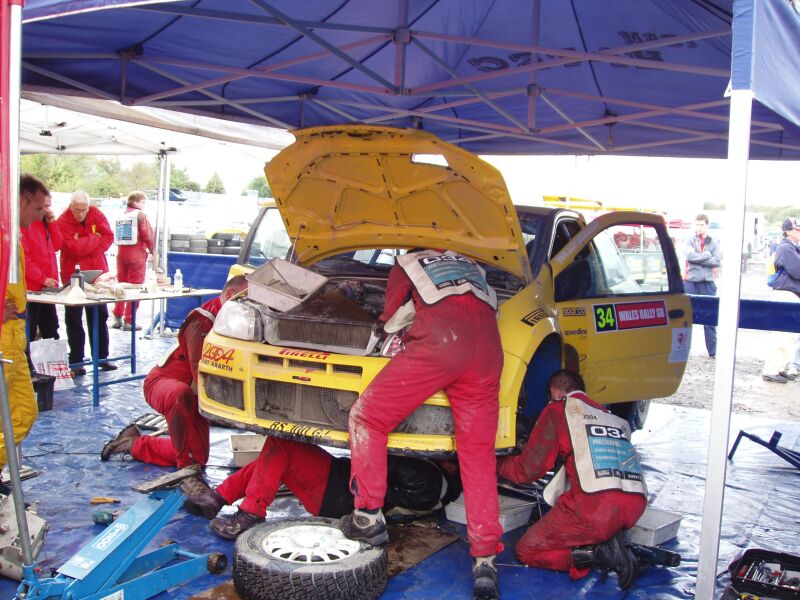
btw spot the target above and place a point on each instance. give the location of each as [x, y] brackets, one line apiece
[761, 497]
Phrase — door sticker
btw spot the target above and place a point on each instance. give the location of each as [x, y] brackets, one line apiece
[534, 317]
[681, 343]
[629, 315]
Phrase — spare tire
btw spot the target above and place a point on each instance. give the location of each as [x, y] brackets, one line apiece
[215, 250]
[307, 559]
[231, 251]
[215, 243]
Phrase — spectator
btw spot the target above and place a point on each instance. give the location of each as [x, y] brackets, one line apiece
[702, 264]
[86, 237]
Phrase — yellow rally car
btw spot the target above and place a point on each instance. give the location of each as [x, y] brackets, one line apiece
[351, 198]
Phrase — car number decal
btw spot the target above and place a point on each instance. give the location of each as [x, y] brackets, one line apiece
[629, 315]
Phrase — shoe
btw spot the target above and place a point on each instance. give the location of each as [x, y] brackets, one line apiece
[229, 528]
[117, 323]
[128, 327]
[614, 555]
[206, 504]
[790, 375]
[108, 367]
[195, 486]
[120, 444]
[774, 378]
[484, 578]
[80, 371]
[365, 526]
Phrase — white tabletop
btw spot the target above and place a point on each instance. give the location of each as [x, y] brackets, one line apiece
[131, 295]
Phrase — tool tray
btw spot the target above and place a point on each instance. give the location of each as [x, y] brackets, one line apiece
[766, 573]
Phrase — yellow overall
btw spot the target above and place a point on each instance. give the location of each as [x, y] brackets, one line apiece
[18, 378]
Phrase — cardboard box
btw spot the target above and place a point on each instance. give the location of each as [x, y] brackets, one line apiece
[282, 285]
[246, 448]
[654, 527]
[514, 512]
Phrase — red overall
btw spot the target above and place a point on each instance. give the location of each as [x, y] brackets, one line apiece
[453, 345]
[577, 519]
[132, 263]
[168, 390]
[302, 467]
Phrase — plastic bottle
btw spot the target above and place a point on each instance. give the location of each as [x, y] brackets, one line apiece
[177, 280]
[76, 279]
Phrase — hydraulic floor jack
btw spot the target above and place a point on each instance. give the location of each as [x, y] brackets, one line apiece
[110, 567]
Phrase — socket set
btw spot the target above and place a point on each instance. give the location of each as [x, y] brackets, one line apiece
[770, 574]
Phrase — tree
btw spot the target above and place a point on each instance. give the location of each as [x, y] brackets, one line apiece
[215, 185]
[260, 185]
[179, 178]
[61, 173]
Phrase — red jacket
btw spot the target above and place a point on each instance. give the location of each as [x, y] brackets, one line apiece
[84, 244]
[40, 242]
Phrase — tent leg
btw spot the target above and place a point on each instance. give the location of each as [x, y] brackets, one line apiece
[738, 152]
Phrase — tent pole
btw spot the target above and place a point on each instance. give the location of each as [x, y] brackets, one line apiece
[11, 159]
[164, 193]
[730, 288]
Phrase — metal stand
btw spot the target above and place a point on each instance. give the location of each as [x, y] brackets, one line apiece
[790, 456]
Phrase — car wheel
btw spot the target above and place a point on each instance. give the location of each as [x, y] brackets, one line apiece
[304, 559]
[635, 413]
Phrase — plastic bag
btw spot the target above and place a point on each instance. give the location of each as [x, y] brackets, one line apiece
[49, 357]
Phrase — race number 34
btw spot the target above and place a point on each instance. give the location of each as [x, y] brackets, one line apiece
[605, 317]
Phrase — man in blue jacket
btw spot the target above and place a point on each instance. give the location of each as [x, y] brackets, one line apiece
[780, 366]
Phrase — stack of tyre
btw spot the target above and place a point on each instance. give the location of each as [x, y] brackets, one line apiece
[225, 243]
[220, 243]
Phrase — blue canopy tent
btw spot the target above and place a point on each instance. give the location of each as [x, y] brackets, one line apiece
[644, 78]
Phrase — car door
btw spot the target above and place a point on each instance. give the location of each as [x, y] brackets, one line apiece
[624, 318]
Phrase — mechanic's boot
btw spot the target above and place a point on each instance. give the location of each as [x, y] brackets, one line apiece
[230, 528]
[614, 555]
[484, 578]
[205, 504]
[117, 323]
[195, 485]
[122, 443]
[365, 526]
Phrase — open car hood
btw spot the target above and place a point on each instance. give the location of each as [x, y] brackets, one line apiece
[350, 187]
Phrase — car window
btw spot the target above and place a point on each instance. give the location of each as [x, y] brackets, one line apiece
[565, 231]
[621, 260]
[270, 240]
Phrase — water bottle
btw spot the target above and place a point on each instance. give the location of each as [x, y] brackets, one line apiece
[76, 279]
[177, 280]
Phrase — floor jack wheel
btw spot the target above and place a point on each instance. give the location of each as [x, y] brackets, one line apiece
[217, 563]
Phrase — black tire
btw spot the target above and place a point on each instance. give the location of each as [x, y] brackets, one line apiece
[213, 250]
[215, 243]
[197, 237]
[180, 245]
[184, 237]
[223, 236]
[635, 413]
[202, 250]
[356, 571]
[233, 244]
[231, 251]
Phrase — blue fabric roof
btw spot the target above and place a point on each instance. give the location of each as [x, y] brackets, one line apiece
[511, 76]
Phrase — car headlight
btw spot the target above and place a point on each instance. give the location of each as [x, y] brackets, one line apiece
[239, 319]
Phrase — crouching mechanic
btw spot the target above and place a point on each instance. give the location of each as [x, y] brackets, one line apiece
[171, 389]
[321, 483]
[605, 492]
[455, 315]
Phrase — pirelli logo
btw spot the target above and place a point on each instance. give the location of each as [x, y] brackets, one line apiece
[532, 318]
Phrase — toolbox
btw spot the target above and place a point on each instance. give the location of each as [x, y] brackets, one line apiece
[766, 573]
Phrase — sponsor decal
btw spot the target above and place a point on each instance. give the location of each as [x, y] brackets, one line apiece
[299, 429]
[575, 332]
[110, 535]
[573, 311]
[217, 356]
[305, 354]
[629, 315]
[681, 342]
[453, 270]
[532, 318]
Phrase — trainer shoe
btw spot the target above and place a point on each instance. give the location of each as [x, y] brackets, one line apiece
[484, 578]
[774, 378]
[614, 555]
[79, 372]
[122, 443]
[205, 504]
[790, 375]
[117, 324]
[108, 367]
[229, 528]
[129, 326]
[365, 526]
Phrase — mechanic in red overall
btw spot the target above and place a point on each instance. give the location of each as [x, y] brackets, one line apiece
[321, 483]
[605, 492]
[171, 389]
[134, 238]
[455, 315]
